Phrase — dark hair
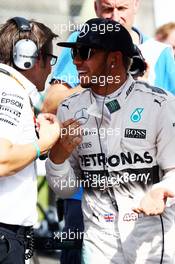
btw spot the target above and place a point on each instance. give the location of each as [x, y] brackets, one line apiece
[40, 34]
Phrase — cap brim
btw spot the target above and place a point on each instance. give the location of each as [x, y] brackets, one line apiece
[67, 44]
[76, 44]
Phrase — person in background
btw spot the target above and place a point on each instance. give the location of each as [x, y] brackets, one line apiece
[25, 62]
[166, 34]
[159, 57]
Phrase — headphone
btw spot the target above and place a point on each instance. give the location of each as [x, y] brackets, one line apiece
[25, 51]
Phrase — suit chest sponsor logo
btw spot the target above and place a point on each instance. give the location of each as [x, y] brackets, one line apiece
[135, 133]
[85, 145]
[82, 116]
[136, 115]
[122, 158]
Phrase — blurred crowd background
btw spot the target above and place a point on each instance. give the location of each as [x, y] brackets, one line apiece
[152, 14]
[58, 14]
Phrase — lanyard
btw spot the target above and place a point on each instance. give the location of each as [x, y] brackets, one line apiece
[11, 75]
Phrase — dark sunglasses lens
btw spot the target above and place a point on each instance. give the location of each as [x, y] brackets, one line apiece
[83, 52]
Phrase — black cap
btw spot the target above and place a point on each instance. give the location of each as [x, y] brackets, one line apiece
[106, 34]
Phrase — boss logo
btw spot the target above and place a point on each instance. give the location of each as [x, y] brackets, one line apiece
[135, 133]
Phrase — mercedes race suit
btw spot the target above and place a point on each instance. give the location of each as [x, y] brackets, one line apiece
[128, 143]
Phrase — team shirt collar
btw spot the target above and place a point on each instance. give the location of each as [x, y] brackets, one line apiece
[113, 102]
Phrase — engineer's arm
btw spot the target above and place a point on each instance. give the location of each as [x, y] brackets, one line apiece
[15, 157]
[155, 200]
[64, 78]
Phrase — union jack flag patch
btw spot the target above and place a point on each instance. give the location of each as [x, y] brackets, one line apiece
[109, 217]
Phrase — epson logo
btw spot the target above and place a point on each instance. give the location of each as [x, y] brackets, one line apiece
[135, 133]
[12, 102]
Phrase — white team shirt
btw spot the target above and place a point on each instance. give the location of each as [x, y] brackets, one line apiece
[18, 193]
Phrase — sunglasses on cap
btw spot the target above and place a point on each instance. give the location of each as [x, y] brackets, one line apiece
[84, 53]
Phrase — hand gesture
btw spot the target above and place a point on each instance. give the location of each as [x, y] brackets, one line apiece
[69, 139]
[48, 130]
[153, 203]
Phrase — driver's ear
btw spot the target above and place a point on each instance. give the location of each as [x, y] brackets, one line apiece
[95, 7]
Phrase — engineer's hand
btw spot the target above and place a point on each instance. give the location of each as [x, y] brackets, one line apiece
[153, 203]
[70, 138]
[48, 130]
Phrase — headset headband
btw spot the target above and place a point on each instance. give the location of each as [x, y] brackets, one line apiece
[22, 23]
[25, 50]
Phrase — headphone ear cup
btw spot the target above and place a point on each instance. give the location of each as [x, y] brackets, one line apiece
[25, 53]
